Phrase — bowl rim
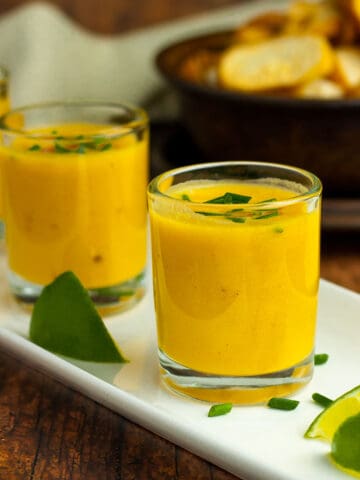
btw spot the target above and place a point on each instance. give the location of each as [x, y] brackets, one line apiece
[238, 97]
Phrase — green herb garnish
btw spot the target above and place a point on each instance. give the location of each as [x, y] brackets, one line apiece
[60, 149]
[263, 216]
[105, 147]
[278, 229]
[80, 137]
[80, 149]
[229, 197]
[34, 148]
[321, 358]
[268, 200]
[283, 403]
[321, 400]
[237, 219]
[211, 214]
[185, 197]
[220, 409]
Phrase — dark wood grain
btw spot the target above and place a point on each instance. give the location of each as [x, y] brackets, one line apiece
[49, 432]
[117, 16]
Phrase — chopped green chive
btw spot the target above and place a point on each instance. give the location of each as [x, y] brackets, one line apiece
[237, 219]
[34, 148]
[283, 403]
[273, 213]
[211, 214]
[268, 200]
[60, 149]
[54, 132]
[321, 399]
[59, 138]
[107, 146]
[99, 139]
[229, 197]
[278, 229]
[80, 137]
[185, 197]
[321, 358]
[81, 149]
[220, 409]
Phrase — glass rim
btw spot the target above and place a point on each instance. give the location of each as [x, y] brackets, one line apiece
[140, 118]
[314, 191]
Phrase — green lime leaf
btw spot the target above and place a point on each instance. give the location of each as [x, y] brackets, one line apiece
[65, 321]
[345, 446]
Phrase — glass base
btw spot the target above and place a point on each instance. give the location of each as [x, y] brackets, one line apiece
[245, 390]
[108, 300]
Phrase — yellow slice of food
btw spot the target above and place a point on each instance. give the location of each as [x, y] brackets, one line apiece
[282, 62]
[320, 88]
[260, 28]
[347, 67]
[321, 18]
[326, 424]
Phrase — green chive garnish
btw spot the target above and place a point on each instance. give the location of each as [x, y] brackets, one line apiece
[80, 137]
[81, 149]
[278, 229]
[60, 149]
[283, 403]
[107, 146]
[211, 214]
[185, 197]
[321, 399]
[229, 197]
[220, 409]
[34, 148]
[273, 213]
[268, 200]
[237, 219]
[321, 358]
[99, 139]
[54, 132]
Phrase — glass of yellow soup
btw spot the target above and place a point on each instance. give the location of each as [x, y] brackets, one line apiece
[235, 253]
[74, 191]
[4, 107]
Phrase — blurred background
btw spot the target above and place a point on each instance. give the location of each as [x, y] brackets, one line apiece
[118, 16]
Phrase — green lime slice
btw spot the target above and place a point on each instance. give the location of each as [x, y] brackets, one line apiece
[65, 321]
[325, 425]
[345, 447]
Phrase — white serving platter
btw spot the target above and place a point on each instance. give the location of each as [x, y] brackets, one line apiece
[255, 443]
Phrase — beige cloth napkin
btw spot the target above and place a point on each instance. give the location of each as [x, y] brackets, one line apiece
[50, 57]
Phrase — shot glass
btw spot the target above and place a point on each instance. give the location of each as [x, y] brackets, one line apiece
[74, 181]
[4, 107]
[235, 252]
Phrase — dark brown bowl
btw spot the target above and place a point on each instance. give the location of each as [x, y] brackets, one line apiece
[322, 136]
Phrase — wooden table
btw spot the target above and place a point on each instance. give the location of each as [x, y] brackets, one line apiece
[48, 431]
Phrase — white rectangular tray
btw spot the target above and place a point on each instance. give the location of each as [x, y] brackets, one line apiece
[255, 443]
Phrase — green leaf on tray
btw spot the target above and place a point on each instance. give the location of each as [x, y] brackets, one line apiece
[65, 321]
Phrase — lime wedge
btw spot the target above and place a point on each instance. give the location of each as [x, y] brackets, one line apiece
[325, 425]
[345, 447]
[65, 321]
